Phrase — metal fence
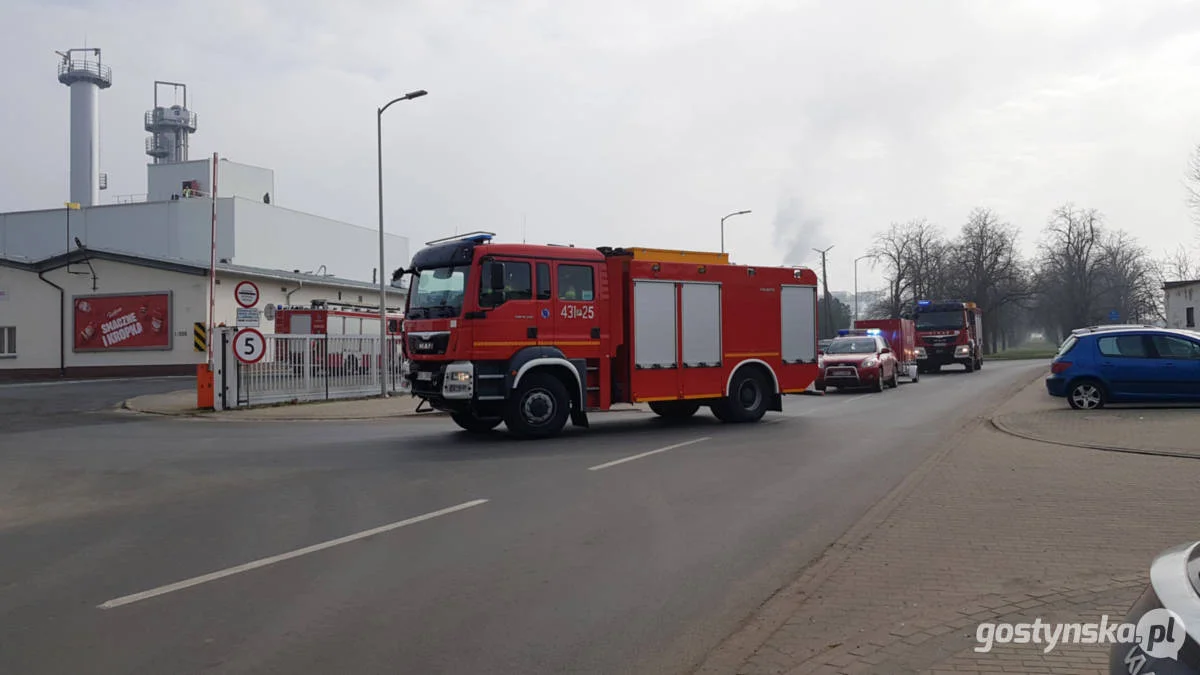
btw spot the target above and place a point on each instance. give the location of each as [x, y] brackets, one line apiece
[316, 367]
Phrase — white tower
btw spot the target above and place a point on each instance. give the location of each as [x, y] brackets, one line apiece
[170, 127]
[82, 71]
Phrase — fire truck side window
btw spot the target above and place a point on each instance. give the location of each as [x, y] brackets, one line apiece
[543, 282]
[576, 282]
[517, 282]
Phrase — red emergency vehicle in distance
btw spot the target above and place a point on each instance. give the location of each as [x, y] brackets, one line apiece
[901, 337]
[949, 332]
[533, 335]
[346, 321]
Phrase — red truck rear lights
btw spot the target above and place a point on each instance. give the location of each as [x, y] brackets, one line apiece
[1059, 366]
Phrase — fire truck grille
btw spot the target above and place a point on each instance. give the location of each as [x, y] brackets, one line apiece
[428, 344]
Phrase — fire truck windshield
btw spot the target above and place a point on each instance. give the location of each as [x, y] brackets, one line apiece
[438, 293]
[939, 320]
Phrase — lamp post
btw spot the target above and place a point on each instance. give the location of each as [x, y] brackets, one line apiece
[384, 361]
[735, 213]
[861, 257]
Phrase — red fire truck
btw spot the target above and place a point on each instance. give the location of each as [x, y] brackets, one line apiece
[533, 335]
[949, 332]
[344, 323]
[901, 337]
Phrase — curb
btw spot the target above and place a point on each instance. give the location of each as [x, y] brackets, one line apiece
[211, 415]
[1003, 428]
[754, 632]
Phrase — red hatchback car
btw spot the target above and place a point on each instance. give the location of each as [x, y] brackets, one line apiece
[858, 359]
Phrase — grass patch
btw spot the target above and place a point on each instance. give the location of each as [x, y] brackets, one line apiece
[1033, 350]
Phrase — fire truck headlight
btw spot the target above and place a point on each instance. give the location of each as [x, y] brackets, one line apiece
[921, 353]
[459, 380]
[962, 350]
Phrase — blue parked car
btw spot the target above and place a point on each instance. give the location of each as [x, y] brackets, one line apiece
[1122, 364]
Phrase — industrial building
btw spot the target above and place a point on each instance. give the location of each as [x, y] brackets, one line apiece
[116, 288]
[1182, 298]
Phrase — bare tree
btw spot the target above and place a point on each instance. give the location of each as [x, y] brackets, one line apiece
[1179, 266]
[1192, 182]
[1129, 280]
[913, 255]
[1069, 269]
[985, 267]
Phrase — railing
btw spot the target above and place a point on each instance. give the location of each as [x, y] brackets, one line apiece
[85, 69]
[159, 117]
[314, 368]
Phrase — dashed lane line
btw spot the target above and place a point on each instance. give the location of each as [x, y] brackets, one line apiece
[631, 458]
[263, 562]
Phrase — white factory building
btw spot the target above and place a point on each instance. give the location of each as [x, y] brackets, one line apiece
[96, 289]
[1182, 301]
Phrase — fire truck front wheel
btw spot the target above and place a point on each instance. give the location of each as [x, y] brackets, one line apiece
[539, 407]
[474, 424]
[748, 398]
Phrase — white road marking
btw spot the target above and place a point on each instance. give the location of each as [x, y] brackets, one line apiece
[647, 454]
[263, 562]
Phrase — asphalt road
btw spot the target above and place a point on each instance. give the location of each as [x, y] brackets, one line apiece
[573, 563]
[45, 405]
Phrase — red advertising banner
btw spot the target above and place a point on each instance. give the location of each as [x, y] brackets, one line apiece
[126, 321]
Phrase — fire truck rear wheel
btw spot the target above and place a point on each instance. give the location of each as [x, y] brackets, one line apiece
[474, 424]
[748, 398]
[540, 407]
[674, 409]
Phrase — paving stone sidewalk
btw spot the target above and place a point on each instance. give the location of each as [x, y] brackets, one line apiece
[1151, 430]
[992, 528]
[183, 404]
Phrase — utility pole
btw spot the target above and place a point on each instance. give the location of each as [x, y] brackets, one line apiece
[825, 284]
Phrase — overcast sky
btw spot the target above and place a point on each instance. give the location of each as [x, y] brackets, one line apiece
[642, 123]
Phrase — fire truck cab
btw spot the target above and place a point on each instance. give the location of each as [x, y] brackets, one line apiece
[534, 336]
[949, 332]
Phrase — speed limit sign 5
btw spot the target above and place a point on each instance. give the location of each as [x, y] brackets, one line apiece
[249, 345]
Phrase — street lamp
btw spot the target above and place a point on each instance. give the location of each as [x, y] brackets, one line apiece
[735, 213]
[861, 257]
[384, 365]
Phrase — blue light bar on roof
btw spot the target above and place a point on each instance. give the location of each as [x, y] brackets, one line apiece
[479, 238]
[874, 331]
[843, 332]
[923, 303]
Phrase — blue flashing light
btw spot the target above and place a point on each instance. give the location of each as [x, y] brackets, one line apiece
[923, 303]
[874, 331]
[843, 332]
[479, 238]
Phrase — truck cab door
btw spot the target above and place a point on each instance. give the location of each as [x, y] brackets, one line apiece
[576, 315]
[509, 311]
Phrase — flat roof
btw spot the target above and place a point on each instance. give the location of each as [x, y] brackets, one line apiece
[1179, 284]
[184, 267]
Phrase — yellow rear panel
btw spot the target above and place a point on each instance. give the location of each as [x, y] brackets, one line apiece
[670, 255]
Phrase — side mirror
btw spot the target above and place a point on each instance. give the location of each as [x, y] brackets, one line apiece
[398, 274]
[885, 350]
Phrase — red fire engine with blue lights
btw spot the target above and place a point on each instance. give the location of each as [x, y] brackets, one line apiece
[534, 336]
